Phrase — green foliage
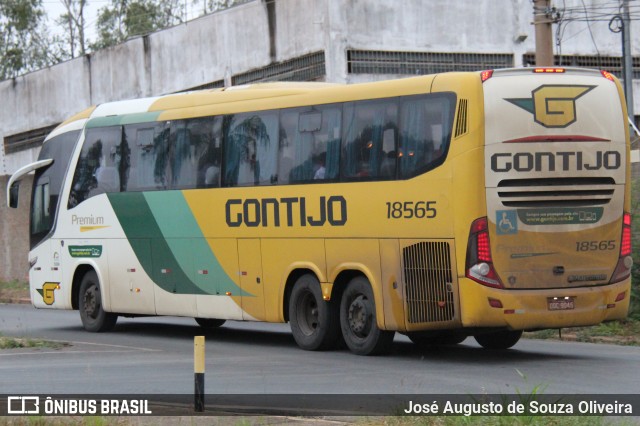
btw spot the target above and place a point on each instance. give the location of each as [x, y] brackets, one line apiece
[124, 19]
[74, 25]
[24, 42]
[215, 5]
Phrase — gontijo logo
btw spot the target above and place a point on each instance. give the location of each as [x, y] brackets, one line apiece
[553, 105]
[48, 292]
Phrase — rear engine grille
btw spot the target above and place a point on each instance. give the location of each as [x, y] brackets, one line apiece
[556, 192]
[428, 278]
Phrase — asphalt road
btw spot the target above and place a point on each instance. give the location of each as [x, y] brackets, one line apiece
[155, 356]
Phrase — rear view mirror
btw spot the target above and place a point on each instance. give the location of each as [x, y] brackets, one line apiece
[14, 190]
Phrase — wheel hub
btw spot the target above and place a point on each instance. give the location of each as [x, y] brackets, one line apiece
[308, 314]
[90, 302]
[358, 315]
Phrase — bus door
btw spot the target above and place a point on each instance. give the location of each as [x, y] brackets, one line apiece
[251, 280]
[46, 273]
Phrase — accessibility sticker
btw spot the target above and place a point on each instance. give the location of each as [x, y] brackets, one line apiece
[506, 222]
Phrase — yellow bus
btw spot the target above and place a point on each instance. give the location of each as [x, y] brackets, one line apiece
[442, 206]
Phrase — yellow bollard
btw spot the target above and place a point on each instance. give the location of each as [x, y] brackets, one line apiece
[198, 370]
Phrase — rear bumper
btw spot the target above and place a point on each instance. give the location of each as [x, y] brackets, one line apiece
[528, 309]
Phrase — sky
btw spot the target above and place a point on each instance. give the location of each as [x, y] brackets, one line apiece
[55, 8]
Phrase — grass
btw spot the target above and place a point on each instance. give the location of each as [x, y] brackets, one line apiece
[18, 342]
[12, 291]
[625, 332]
[506, 420]
[491, 421]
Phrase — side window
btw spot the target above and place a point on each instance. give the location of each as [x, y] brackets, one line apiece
[309, 144]
[369, 140]
[149, 148]
[208, 133]
[251, 149]
[103, 165]
[195, 158]
[425, 132]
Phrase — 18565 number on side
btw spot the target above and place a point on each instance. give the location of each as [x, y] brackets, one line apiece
[411, 210]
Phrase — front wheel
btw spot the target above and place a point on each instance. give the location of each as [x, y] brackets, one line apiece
[314, 321]
[94, 317]
[502, 339]
[358, 320]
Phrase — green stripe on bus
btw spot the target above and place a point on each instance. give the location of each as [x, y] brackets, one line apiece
[138, 222]
[118, 120]
[188, 245]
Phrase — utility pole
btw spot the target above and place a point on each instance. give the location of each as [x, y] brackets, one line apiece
[626, 53]
[544, 40]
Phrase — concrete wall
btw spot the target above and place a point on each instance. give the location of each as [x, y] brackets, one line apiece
[14, 233]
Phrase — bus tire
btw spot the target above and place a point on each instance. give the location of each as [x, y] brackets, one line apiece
[423, 339]
[210, 322]
[94, 317]
[358, 320]
[501, 339]
[314, 322]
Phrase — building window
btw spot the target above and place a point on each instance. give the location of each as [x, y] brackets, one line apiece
[613, 64]
[419, 63]
[309, 67]
[26, 140]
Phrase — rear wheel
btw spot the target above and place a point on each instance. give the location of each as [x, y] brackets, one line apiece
[314, 321]
[210, 322]
[358, 320]
[94, 317]
[502, 339]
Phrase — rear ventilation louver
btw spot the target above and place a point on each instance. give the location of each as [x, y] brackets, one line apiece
[461, 120]
[428, 282]
[556, 192]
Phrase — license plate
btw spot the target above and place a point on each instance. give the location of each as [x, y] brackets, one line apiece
[560, 303]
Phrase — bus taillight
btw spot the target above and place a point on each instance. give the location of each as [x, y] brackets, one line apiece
[549, 70]
[607, 75]
[625, 261]
[479, 262]
[486, 75]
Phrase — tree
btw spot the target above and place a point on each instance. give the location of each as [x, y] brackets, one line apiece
[128, 18]
[215, 5]
[74, 23]
[24, 42]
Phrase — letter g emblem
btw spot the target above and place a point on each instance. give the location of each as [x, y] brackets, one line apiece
[553, 105]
